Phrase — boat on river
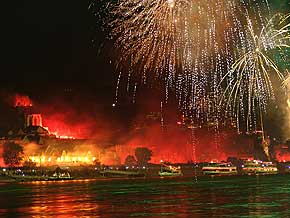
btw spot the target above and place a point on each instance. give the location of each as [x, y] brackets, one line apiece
[169, 170]
[259, 167]
[219, 169]
[60, 176]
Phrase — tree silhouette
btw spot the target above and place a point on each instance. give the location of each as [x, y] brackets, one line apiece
[143, 155]
[130, 160]
[29, 165]
[12, 154]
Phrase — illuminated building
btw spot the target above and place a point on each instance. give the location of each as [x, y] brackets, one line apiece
[22, 101]
[33, 120]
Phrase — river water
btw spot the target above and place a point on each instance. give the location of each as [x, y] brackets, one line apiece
[227, 196]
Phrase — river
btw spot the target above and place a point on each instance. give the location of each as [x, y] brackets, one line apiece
[225, 196]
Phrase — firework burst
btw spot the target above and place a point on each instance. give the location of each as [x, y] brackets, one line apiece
[207, 53]
[250, 87]
[184, 45]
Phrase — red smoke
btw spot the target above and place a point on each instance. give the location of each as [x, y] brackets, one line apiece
[172, 143]
[175, 145]
[282, 153]
[168, 148]
[69, 120]
[75, 117]
[63, 126]
[2, 164]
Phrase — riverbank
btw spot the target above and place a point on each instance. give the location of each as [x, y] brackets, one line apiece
[6, 179]
[84, 173]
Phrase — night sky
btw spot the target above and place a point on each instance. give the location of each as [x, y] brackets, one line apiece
[57, 53]
[46, 49]
[48, 52]
[47, 46]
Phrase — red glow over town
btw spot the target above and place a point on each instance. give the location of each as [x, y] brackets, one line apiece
[174, 145]
[62, 126]
[282, 157]
[57, 126]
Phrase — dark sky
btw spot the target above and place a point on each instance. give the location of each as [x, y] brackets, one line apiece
[46, 47]
[47, 53]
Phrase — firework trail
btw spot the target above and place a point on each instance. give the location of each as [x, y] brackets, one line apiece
[186, 46]
[254, 72]
[205, 52]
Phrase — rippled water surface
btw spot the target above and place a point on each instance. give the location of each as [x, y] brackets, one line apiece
[233, 196]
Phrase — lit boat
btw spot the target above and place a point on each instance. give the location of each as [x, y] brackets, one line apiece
[219, 169]
[259, 167]
[60, 175]
[168, 170]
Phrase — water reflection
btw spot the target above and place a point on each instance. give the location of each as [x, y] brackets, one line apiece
[63, 199]
[236, 196]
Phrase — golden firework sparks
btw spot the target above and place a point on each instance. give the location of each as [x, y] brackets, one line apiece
[255, 69]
